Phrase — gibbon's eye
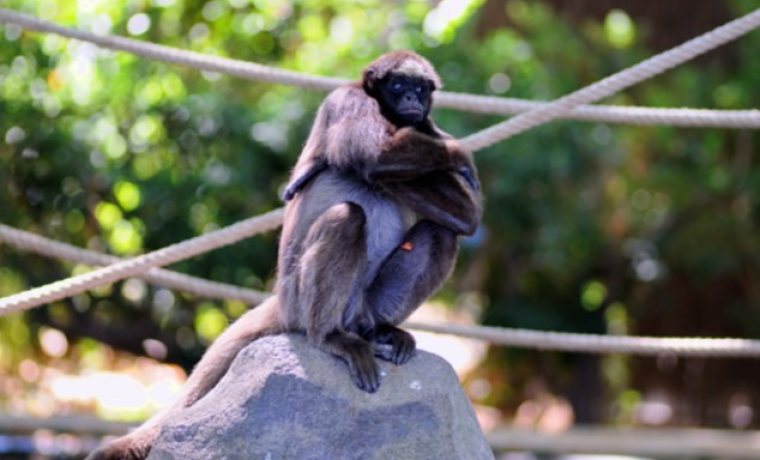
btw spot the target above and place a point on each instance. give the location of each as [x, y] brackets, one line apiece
[397, 86]
[418, 89]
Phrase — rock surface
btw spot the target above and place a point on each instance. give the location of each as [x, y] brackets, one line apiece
[283, 399]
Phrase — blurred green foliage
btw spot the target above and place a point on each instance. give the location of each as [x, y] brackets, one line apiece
[589, 227]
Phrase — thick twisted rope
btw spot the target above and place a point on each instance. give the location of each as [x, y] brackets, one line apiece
[615, 82]
[586, 343]
[535, 117]
[641, 116]
[749, 119]
[647, 68]
[171, 280]
[133, 267]
[593, 343]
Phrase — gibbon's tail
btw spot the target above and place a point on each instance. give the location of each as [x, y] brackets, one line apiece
[258, 322]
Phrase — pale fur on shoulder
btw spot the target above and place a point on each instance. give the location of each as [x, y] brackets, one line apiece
[349, 142]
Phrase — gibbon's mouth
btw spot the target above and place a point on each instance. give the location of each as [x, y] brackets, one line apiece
[410, 112]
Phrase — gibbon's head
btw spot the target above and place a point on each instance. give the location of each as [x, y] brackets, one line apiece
[403, 83]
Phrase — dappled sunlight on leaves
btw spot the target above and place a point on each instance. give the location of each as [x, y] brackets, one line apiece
[66, 378]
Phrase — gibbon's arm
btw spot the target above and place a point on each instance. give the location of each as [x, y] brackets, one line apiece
[312, 159]
[444, 197]
[309, 171]
[431, 175]
[411, 154]
[348, 132]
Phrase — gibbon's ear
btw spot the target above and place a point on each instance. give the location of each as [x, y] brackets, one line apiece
[369, 77]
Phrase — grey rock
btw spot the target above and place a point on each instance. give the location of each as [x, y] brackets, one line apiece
[283, 399]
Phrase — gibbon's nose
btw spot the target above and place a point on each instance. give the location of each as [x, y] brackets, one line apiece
[409, 97]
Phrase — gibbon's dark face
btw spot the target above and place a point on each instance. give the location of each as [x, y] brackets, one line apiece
[406, 98]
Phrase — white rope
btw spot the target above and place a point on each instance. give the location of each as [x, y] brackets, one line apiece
[172, 280]
[641, 116]
[704, 347]
[575, 342]
[476, 141]
[747, 119]
[592, 343]
[133, 267]
[615, 82]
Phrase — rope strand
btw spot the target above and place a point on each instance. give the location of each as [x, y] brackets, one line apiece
[579, 343]
[605, 87]
[640, 116]
[133, 267]
[535, 116]
[615, 82]
[172, 280]
[737, 119]
[594, 343]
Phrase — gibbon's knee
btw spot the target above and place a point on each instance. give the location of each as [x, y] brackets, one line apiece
[342, 222]
[415, 270]
[439, 243]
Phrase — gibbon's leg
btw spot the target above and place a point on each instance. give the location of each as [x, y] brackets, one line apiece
[332, 269]
[415, 270]
[262, 320]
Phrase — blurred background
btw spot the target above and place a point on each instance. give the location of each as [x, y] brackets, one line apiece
[588, 227]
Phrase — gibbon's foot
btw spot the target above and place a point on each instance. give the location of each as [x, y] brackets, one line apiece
[359, 356]
[392, 344]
